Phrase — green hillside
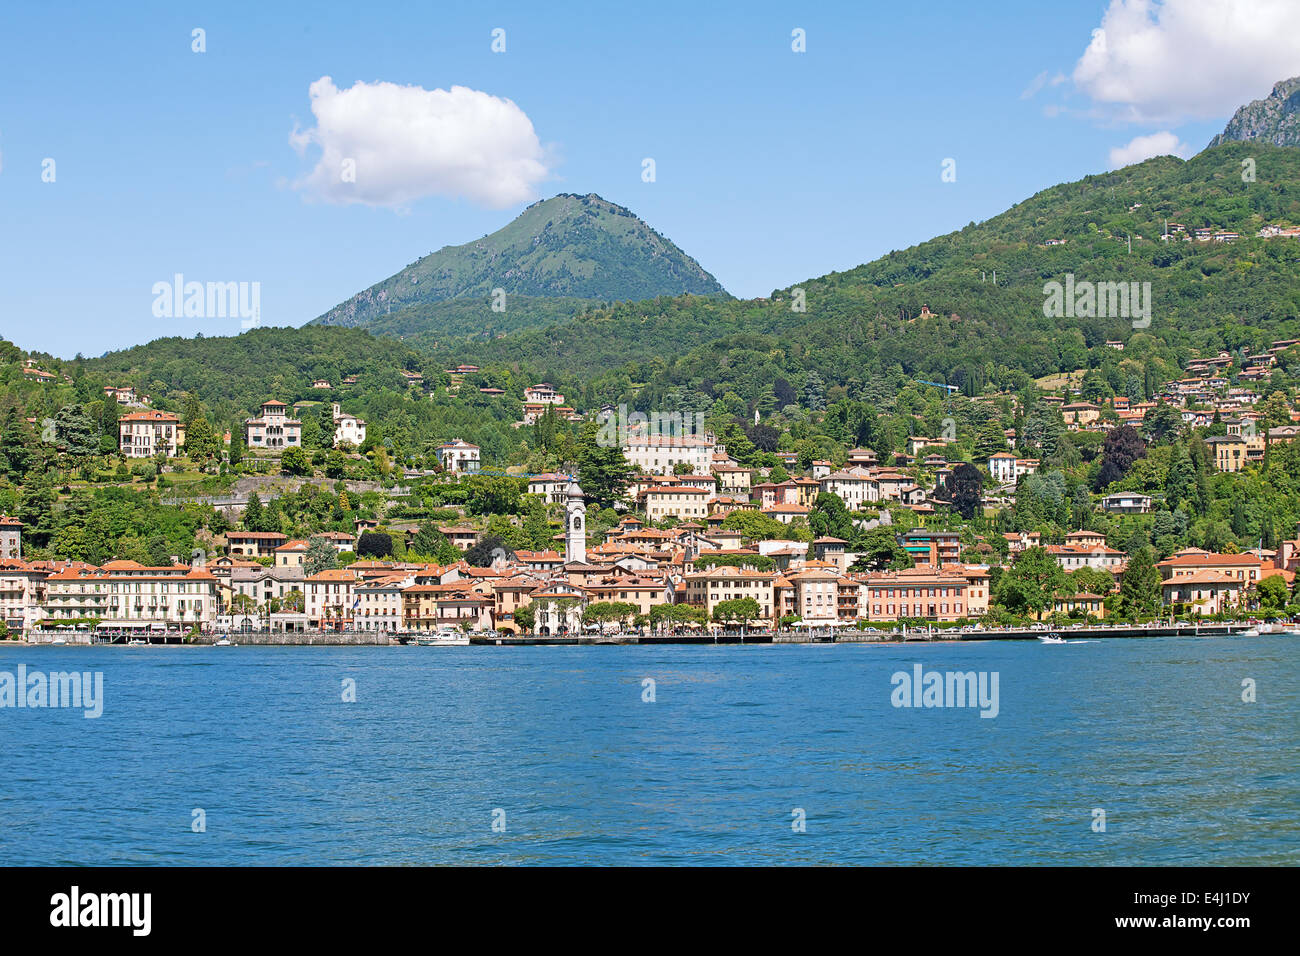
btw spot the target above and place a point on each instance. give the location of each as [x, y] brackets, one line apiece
[556, 258]
[867, 323]
[864, 334]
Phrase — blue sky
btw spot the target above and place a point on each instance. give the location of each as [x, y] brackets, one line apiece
[771, 166]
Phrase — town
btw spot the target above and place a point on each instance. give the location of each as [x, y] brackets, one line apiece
[680, 536]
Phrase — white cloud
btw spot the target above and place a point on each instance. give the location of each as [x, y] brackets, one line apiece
[1040, 81]
[1167, 62]
[405, 143]
[1036, 84]
[1139, 148]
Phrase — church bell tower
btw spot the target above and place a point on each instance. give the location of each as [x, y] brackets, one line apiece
[575, 525]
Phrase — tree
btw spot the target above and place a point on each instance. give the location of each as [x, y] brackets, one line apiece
[294, 461]
[989, 440]
[325, 420]
[375, 544]
[526, 617]
[602, 468]
[1088, 580]
[75, 431]
[1180, 483]
[967, 490]
[321, 555]
[255, 518]
[431, 543]
[201, 441]
[756, 526]
[1162, 423]
[1123, 447]
[1139, 592]
[1032, 584]
[814, 392]
[160, 555]
[1276, 411]
[608, 612]
[336, 464]
[737, 610]
[537, 530]
[878, 550]
[1272, 593]
[487, 550]
[16, 453]
[675, 615]
[829, 517]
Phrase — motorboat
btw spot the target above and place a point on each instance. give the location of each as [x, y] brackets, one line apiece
[1052, 639]
[443, 638]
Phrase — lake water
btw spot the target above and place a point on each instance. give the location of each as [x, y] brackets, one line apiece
[557, 745]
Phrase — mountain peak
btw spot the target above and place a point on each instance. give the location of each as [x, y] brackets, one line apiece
[579, 248]
[1274, 119]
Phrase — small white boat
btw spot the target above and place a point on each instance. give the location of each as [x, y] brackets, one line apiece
[1249, 632]
[443, 639]
[223, 642]
[59, 640]
[1052, 639]
[136, 642]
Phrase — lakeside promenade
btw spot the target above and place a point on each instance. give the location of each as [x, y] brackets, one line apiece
[811, 636]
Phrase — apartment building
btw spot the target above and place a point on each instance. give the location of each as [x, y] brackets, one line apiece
[330, 599]
[660, 454]
[916, 593]
[130, 596]
[675, 501]
[811, 593]
[22, 593]
[379, 603]
[854, 486]
[707, 589]
[148, 433]
[933, 548]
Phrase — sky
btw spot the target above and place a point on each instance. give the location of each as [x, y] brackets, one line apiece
[316, 149]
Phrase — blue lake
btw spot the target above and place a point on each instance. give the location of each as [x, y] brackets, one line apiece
[558, 745]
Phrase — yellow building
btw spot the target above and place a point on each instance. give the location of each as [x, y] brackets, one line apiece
[1230, 452]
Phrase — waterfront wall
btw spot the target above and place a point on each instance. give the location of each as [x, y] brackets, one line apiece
[383, 638]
